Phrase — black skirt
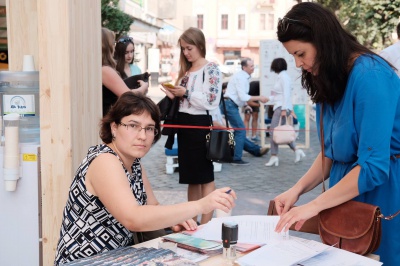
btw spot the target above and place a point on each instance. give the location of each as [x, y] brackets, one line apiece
[194, 168]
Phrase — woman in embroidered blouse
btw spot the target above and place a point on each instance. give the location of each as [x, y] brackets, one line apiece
[124, 55]
[110, 196]
[360, 94]
[199, 86]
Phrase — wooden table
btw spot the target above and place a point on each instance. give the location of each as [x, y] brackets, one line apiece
[217, 259]
[211, 261]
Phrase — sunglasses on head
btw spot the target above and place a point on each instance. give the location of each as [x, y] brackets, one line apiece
[283, 23]
[125, 40]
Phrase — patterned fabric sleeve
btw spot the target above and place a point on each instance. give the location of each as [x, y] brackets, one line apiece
[209, 96]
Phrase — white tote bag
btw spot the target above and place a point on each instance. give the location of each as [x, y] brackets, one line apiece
[284, 134]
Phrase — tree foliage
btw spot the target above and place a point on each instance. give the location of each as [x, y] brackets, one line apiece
[371, 21]
[115, 19]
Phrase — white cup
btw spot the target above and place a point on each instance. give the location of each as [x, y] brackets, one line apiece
[219, 213]
[28, 64]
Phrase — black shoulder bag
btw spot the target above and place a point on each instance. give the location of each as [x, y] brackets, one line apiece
[220, 143]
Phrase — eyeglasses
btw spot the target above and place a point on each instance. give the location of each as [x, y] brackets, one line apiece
[125, 40]
[135, 129]
[283, 23]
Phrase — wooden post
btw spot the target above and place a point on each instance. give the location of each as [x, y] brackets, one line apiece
[64, 37]
[22, 32]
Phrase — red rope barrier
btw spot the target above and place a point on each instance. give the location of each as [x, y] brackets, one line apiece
[222, 128]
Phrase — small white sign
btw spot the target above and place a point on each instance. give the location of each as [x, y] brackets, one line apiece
[20, 104]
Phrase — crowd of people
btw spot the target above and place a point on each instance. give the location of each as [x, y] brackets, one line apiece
[111, 199]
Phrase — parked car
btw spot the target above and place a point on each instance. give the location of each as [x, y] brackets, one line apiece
[225, 70]
[232, 65]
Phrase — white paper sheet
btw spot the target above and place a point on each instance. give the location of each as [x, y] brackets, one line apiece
[302, 252]
[339, 257]
[284, 253]
[253, 229]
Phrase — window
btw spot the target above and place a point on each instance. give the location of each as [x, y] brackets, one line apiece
[200, 24]
[224, 22]
[262, 22]
[241, 22]
[270, 21]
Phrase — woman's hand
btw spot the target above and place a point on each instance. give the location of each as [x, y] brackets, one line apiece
[144, 87]
[218, 199]
[296, 215]
[286, 200]
[168, 93]
[189, 225]
[177, 91]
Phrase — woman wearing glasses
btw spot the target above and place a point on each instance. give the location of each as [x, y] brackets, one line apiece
[113, 84]
[198, 86]
[110, 196]
[125, 55]
[360, 97]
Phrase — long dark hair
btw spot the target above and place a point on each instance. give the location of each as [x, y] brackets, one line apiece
[193, 36]
[335, 49]
[128, 104]
[119, 54]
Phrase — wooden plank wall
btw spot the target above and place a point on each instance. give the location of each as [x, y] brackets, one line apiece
[64, 37]
[22, 32]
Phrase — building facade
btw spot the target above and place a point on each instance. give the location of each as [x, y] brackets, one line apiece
[233, 28]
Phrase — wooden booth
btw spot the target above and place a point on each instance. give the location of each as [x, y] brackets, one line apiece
[64, 38]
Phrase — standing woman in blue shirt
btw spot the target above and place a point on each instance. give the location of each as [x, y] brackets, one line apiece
[360, 95]
[124, 55]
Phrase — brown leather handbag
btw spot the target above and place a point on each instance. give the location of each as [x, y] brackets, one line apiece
[353, 226]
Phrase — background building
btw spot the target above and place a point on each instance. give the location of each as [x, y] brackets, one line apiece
[233, 28]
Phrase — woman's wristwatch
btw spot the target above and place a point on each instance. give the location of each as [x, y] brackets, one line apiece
[186, 95]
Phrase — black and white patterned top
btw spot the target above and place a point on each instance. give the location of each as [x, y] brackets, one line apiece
[88, 227]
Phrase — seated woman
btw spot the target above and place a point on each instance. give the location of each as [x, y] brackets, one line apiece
[110, 196]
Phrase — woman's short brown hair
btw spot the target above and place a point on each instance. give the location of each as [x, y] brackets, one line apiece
[128, 104]
[278, 65]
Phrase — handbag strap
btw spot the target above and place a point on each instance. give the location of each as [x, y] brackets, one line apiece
[321, 132]
[288, 120]
[224, 107]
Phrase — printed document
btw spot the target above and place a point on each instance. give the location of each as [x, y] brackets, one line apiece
[302, 252]
[253, 229]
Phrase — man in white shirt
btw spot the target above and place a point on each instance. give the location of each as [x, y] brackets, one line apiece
[236, 96]
[392, 53]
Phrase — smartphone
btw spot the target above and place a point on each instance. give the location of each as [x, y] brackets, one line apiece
[168, 85]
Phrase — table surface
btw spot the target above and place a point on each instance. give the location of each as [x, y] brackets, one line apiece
[211, 261]
[217, 259]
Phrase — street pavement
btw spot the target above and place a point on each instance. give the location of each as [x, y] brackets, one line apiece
[255, 184]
